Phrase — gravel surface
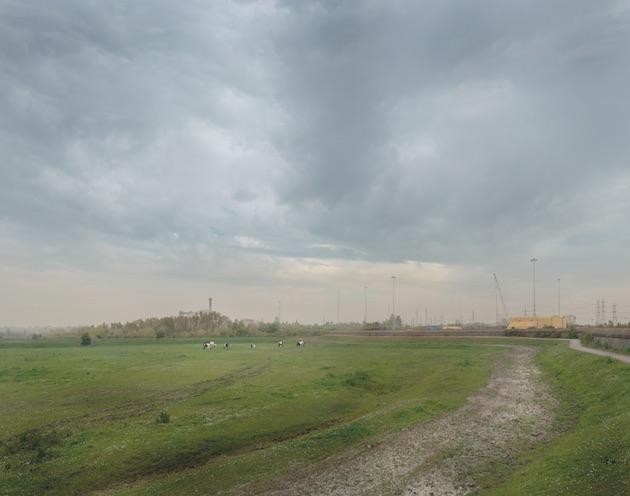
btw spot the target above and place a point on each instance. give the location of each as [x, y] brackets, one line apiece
[444, 456]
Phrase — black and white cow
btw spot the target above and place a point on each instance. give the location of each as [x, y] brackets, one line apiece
[280, 343]
[300, 343]
[252, 346]
[210, 345]
[226, 346]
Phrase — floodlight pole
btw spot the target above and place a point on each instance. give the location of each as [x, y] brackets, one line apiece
[393, 303]
[533, 261]
[365, 300]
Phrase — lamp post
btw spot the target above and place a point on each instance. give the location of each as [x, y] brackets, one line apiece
[365, 310]
[393, 303]
[533, 261]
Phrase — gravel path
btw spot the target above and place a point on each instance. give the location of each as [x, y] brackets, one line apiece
[443, 456]
[576, 345]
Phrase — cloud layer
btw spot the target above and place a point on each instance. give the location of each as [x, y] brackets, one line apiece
[264, 151]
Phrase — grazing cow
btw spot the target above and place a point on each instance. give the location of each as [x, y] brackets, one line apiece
[300, 343]
[280, 343]
[210, 345]
[252, 346]
[226, 346]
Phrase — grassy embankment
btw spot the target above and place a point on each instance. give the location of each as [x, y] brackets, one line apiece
[591, 455]
[593, 342]
[79, 419]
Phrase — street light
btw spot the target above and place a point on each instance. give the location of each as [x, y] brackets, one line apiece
[533, 261]
[393, 303]
[365, 298]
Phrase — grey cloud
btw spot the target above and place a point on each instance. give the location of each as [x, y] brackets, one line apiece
[449, 132]
[527, 106]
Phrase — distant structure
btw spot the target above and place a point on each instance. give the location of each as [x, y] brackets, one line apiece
[452, 327]
[209, 305]
[538, 322]
[499, 294]
[598, 314]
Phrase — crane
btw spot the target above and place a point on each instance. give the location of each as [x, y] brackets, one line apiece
[500, 293]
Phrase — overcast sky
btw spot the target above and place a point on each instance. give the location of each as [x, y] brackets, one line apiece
[156, 153]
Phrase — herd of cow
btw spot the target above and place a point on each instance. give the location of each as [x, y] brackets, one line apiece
[211, 345]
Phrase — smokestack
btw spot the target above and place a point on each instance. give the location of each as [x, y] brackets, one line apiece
[209, 305]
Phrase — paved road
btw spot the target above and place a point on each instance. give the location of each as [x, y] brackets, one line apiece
[576, 345]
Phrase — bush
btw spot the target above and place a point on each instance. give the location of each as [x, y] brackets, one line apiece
[160, 334]
[86, 339]
[587, 339]
[270, 328]
[163, 418]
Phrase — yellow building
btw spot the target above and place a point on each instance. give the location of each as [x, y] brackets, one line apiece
[538, 322]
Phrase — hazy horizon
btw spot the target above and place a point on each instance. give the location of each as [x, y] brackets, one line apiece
[156, 154]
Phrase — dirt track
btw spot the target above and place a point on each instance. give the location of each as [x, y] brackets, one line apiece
[443, 456]
[576, 345]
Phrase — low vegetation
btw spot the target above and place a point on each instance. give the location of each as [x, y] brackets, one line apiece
[587, 339]
[591, 452]
[165, 417]
[158, 417]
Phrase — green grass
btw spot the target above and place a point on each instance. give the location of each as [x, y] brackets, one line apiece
[593, 342]
[80, 419]
[77, 420]
[591, 454]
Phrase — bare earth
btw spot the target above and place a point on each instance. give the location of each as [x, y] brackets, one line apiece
[445, 456]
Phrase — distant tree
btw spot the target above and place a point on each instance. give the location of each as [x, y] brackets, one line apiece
[270, 328]
[86, 339]
[160, 334]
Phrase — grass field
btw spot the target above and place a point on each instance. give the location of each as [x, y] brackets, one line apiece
[78, 419]
[82, 420]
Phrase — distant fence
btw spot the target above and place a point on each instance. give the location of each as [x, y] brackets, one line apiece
[607, 332]
[415, 333]
[610, 337]
[598, 332]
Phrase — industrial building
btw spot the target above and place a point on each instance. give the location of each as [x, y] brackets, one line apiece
[538, 322]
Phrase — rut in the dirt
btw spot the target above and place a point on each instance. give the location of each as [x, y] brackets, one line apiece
[443, 456]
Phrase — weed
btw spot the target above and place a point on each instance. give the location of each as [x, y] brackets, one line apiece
[163, 418]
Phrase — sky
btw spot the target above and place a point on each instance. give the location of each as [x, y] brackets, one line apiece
[273, 155]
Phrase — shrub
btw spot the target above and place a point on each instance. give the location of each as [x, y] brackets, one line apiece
[160, 334]
[270, 328]
[587, 339]
[86, 339]
[163, 418]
